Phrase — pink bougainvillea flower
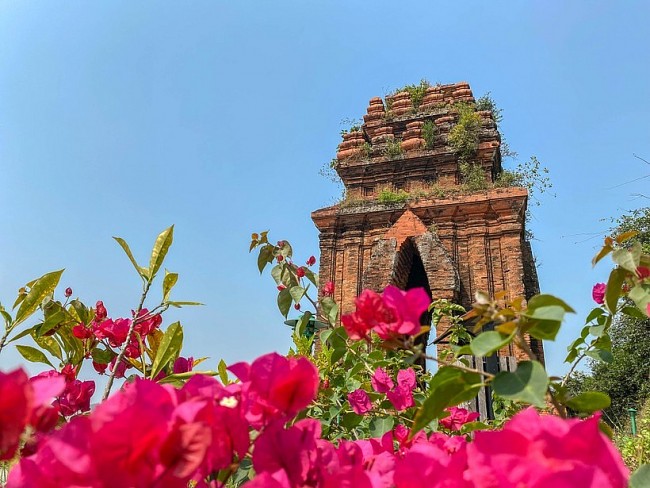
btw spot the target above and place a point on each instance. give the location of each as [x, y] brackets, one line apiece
[120, 369]
[381, 381]
[80, 331]
[128, 431]
[311, 261]
[360, 401]
[544, 450]
[370, 310]
[300, 272]
[402, 395]
[395, 312]
[328, 289]
[277, 387]
[100, 367]
[293, 450]
[100, 311]
[457, 418]
[408, 306]
[144, 327]
[281, 287]
[76, 397]
[428, 464]
[598, 293]
[16, 400]
[183, 365]
[643, 272]
[113, 330]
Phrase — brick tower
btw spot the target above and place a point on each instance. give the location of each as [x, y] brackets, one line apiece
[410, 216]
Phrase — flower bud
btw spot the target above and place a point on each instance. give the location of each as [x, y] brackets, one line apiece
[68, 292]
[300, 272]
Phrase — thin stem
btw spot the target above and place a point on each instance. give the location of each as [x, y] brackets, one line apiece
[573, 367]
[560, 408]
[120, 356]
[458, 366]
[3, 340]
[521, 342]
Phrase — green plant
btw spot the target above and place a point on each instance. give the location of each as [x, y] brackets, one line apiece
[393, 149]
[464, 136]
[473, 176]
[636, 449]
[530, 175]
[388, 196]
[351, 125]
[366, 149]
[487, 103]
[429, 133]
[417, 93]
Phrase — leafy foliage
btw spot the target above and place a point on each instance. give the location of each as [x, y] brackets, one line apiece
[429, 133]
[473, 176]
[464, 136]
[393, 149]
[388, 196]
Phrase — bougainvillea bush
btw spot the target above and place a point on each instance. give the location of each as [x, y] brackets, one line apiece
[350, 405]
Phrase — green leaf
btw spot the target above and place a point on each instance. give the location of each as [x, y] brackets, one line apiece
[311, 276]
[180, 378]
[601, 254]
[159, 251]
[589, 402]
[81, 311]
[613, 290]
[223, 372]
[601, 355]
[102, 356]
[640, 294]
[546, 313]
[527, 384]
[297, 292]
[51, 322]
[380, 425]
[265, 257]
[540, 301]
[33, 355]
[301, 325]
[170, 347]
[185, 304]
[626, 260]
[489, 342]
[143, 272]
[594, 314]
[641, 477]
[284, 302]
[449, 386]
[168, 283]
[276, 273]
[42, 288]
[330, 309]
[634, 313]
[49, 344]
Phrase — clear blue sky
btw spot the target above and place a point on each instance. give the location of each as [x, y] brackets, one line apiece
[121, 118]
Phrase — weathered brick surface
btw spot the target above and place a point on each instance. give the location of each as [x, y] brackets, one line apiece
[466, 242]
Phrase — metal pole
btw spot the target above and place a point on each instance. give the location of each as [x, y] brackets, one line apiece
[632, 419]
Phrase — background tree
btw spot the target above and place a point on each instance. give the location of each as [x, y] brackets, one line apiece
[626, 379]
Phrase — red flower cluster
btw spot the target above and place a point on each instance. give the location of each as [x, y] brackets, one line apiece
[401, 396]
[531, 450]
[393, 313]
[153, 435]
[457, 418]
[25, 402]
